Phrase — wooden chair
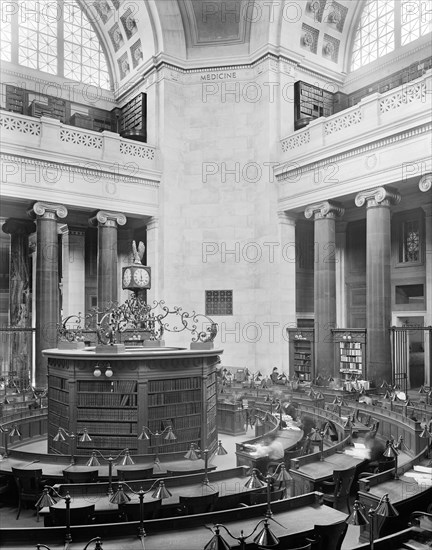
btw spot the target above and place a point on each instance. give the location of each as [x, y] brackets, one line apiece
[130, 475]
[329, 537]
[131, 510]
[29, 484]
[198, 505]
[84, 515]
[81, 477]
[340, 487]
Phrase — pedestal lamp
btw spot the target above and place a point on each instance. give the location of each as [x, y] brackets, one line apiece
[120, 497]
[62, 434]
[47, 500]
[384, 509]
[126, 461]
[392, 452]
[146, 433]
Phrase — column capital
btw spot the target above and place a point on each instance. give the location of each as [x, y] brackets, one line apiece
[286, 219]
[47, 210]
[425, 183]
[153, 223]
[18, 226]
[108, 219]
[326, 209]
[378, 196]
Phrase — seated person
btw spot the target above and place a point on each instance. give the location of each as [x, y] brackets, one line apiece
[290, 410]
[271, 450]
[274, 376]
[376, 448]
[307, 424]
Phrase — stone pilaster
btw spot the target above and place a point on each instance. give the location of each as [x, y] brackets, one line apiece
[20, 298]
[324, 215]
[378, 281]
[341, 307]
[73, 266]
[287, 283]
[47, 282]
[107, 224]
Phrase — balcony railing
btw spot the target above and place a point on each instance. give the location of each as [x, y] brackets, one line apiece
[50, 135]
[364, 121]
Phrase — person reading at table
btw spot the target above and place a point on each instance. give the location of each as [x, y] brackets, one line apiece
[271, 450]
[376, 448]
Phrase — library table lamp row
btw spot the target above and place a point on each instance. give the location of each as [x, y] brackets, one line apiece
[265, 537]
[62, 434]
[358, 517]
[126, 461]
[120, 497]
[145, 435]
[194, 453]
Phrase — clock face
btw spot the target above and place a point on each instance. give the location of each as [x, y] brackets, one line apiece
[127, 276]
[141, 277]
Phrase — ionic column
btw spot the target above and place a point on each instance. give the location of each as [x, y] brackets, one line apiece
[287, 282]
[47, 282]
[378, 281]
[107, 223]
[153, 258]
[325, 215]
[20, 306]
[425, 185]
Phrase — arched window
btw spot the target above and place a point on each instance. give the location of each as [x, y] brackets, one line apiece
[56, 38]
[386, 25]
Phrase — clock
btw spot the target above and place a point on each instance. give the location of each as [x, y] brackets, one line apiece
[127, 277]
[136, 277]
[141, 278]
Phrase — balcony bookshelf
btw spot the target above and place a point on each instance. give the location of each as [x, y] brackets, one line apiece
[301, 351]
[350, 353]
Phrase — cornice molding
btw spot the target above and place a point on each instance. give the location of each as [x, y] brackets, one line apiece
[378, 196]
[94, 174]
[324, 210]
[355, 151]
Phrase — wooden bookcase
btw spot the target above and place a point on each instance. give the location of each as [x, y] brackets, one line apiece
[310, 102]
[301, 352]
[350, 353]
[133, 118]
[152, 392]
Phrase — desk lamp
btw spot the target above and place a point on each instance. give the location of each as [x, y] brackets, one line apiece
[384, 509]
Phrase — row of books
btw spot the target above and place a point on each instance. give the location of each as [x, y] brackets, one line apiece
[107, 386]
[58, 408]
[107, 427]
[299, 355]
[58, 395]
[302, 368]
[57, 382]
[155, 386]
[177, 410]
[107, 400]
[174, 397]
[351, 358]
[107, 414]
[350, 345]
[119, 442]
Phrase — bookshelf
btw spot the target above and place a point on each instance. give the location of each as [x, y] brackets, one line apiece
[133, 118]
[152, 392]
[350, 353]
[301, 351]
[310, 102]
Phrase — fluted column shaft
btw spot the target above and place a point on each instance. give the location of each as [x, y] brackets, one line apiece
[378, 280]
[47, 283]
[325, 215]
[107, 223]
